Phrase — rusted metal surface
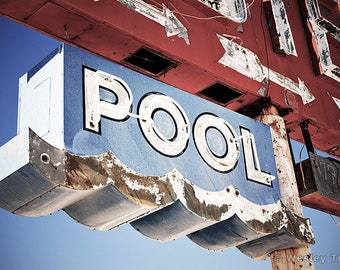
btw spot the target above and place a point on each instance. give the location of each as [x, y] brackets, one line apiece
[318, 179]
[288, 190]
[167, 162]
[102, 193]
[319, 183]
[114, 31]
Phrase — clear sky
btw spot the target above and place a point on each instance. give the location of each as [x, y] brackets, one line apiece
[58, 242]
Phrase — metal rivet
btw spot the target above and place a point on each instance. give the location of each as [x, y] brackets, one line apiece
[45, 158]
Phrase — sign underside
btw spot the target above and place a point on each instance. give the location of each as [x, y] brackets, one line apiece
[102, 193]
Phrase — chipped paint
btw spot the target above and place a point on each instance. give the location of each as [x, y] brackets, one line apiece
[285, 36]
[331, 28]
[96, 185]
[210, 206]
[115, 38]
[262, 91]
[107, 179]
[288, 188]
[165, 17]
[315, 16]
[337, 101]
[246, 62]
[320, 27]
[152, 189]
[235, 10]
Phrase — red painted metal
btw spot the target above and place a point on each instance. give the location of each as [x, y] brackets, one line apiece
[110, 29]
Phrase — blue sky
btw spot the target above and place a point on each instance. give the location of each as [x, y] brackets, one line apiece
[58, 242]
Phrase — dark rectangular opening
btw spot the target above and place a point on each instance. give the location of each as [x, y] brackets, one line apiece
[150, 62]
[220, 93]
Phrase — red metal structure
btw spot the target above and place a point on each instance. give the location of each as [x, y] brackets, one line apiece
[284, 46]
[243, 55]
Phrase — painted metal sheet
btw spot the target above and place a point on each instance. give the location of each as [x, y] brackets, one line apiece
[304, 30]
[135, 150]
[319, 183]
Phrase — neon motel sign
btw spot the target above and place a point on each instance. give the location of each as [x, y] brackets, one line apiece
[111, 146]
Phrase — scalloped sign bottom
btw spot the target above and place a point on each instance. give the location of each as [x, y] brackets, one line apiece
[111, 146]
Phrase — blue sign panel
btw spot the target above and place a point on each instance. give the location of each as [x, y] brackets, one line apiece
[154, 128]
[111, 146]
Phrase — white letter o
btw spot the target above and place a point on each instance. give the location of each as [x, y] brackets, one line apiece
[164, 124]
[214, 140]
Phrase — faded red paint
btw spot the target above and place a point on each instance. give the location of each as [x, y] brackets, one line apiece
[322, 203]
[113, 31]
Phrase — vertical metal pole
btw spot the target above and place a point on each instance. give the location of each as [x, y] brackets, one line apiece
[306, 137]
[293, 258]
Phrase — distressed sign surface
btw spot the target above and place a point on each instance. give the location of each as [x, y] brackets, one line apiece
[112, 146]
[233, 52]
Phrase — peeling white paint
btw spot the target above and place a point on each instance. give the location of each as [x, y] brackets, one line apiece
[97, 186]
[110, 181]
[177, 182]
[109, 164]
[153, 190]
[235, 10]
[241, 60]
[237, 204]
[323, 23]
[164, 17]
[306, 231]
[283, 27]
[320, 36]
[246, 62]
